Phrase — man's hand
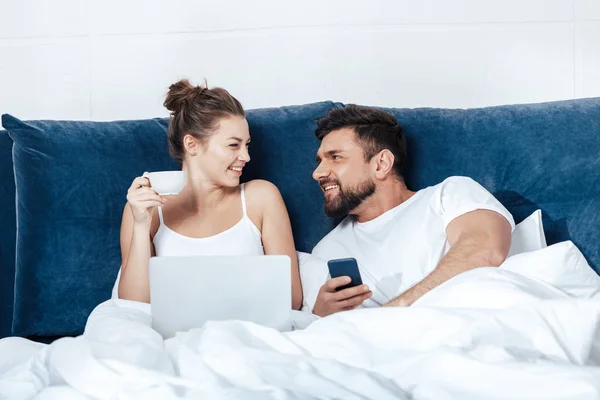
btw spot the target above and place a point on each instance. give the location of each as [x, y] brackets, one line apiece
[329, 301]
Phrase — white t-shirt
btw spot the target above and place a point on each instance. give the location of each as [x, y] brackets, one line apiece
[402, 246]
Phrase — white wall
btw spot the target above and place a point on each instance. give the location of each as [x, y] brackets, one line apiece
[114, 59]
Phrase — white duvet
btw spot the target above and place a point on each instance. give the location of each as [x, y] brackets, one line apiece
[527, 330]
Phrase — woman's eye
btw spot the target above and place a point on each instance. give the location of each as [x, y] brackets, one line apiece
[233, 145]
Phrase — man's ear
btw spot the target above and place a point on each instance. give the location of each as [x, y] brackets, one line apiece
[190, 145]
[383, 163]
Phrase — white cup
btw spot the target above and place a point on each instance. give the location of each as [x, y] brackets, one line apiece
[167, 183]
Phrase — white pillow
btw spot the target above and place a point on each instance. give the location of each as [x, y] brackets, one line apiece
[561, 265]
[313, 274]
[528, 235]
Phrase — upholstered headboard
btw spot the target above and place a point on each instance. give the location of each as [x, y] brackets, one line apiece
[71, 180]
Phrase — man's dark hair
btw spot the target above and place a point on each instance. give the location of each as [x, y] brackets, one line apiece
[376, 130]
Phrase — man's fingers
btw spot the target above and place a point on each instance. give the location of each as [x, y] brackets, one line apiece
[329, 301]
[355, 301]
[351, 292]
[334, 283]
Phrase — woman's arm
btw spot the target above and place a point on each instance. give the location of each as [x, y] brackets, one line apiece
[276, 230]
[136, 241]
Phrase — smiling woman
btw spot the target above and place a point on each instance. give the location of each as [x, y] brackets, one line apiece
[213, 214]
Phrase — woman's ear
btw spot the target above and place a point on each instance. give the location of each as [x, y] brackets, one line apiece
[383, 163]
[190, 145]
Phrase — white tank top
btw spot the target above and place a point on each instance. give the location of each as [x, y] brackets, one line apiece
[243, 238]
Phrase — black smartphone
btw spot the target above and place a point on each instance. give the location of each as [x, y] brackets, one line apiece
[345, 267]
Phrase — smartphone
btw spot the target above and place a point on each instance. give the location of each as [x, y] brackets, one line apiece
[345, 267]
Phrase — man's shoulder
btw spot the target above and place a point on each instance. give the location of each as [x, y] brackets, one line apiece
[450, 182]
[458, 180]
[458, 195]
[458, 185]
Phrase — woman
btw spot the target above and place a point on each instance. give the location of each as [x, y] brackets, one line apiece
[214, 213]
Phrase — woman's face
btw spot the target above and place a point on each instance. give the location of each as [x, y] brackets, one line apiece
[222, 158]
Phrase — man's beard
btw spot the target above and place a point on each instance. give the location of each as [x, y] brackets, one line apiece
[348, 200]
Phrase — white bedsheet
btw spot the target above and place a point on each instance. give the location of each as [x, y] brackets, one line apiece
[491, 333]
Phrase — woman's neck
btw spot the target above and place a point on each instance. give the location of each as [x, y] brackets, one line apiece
[201, 195]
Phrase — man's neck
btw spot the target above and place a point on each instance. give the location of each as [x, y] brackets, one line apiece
[386, 197]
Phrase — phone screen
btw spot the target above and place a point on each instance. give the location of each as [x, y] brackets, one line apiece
[345, 267]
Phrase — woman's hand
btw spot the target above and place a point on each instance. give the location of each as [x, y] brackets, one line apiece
[142, 199]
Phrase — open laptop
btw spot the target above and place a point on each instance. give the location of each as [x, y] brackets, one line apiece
[186, 292]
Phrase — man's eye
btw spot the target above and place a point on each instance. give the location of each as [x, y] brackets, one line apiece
[336, 157]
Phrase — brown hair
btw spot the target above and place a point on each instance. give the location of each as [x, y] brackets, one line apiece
[196, 111]
[376, 130]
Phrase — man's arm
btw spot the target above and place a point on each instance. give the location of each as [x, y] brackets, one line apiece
[479, 238]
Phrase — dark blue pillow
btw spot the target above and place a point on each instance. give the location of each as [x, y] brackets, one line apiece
[544, 156]
[7, 234]
[72, 179]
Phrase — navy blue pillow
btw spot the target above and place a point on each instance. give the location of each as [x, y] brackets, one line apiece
[7, 234]
[530, 156]
[72, 179]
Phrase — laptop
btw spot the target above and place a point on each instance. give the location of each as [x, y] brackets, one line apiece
[186, 292]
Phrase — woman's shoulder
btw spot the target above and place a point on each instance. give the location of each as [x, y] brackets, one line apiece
[261, 188]
[261, 194]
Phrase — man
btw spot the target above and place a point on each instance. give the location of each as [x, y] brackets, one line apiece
[406, 243]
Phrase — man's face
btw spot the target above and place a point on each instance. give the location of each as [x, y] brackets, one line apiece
[343, 173]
